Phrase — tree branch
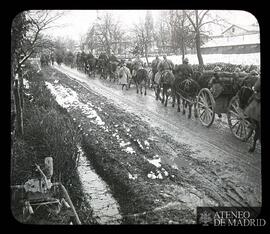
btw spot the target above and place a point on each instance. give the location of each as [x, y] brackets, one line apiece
[203, 17]
[191, 21]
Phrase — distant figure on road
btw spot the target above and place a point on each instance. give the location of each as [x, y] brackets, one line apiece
[129, 64]
[124, 75]
[52, 58]
[154, 66]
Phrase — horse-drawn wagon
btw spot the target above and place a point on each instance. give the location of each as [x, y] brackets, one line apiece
[222, 97]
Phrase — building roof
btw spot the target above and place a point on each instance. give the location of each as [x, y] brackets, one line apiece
[248, 28]
[233, 40]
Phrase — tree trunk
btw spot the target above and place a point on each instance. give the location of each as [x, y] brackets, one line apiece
[19, 114]
[13, 122]
[146, 55]
[182, 50]
[21, 88]
[198, 49]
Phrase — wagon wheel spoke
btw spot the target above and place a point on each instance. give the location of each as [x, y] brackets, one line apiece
[202, 101]
[246, 122]
[236, 109]
[234, 114]
[241, 128]
[205, 99]
[205, 116]
[202, 104]
[208, 116]
[236, 122]
[202, 112]
[237, 129]
[245, 128]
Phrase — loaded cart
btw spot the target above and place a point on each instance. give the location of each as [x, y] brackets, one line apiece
[220, 97]
[39, 194]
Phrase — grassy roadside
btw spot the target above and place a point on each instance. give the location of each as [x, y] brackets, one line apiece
[49, 131]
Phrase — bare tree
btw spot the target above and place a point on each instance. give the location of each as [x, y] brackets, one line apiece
[162, 32]
[144, 34]
[181, 36]
[26, 39]
[37, 22]
[90, 39]
[199, 19]
[108, 33]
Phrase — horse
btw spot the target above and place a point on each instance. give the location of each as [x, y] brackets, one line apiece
[187, 87]
[102, 64]
[166, 82]
[83, 62]
[141, 79]
[156, 85]
[44, 60]
[113, 70]
[249, 101]
[52, 59]
[79, 61]
[90, 64]
[150, 75]
[130, 66]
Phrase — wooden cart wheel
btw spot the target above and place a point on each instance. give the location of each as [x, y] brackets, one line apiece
[206, 107]
[238, 121]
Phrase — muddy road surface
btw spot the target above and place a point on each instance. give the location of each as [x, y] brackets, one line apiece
[159, 164]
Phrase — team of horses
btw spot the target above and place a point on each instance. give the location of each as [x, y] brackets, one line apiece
[175, 84]
[108, 67]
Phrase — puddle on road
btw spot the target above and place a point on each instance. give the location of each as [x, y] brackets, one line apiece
[97, 193]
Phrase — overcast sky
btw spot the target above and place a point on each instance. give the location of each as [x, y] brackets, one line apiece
[75, 23]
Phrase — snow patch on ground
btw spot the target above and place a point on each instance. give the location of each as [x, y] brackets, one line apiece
[123, 144]
[68, 99]
[147, 144]
[26, 84]
[164, 171]
[126, 128]
[132, 177]
[155, 162]
[152, 175]
[138, 141]
[129, 150]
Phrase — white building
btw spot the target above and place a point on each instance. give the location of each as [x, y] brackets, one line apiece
[234, 40]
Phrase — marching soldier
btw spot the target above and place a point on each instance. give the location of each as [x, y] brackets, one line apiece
[124, 75]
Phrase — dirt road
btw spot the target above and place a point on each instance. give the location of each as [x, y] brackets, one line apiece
[171, 163]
